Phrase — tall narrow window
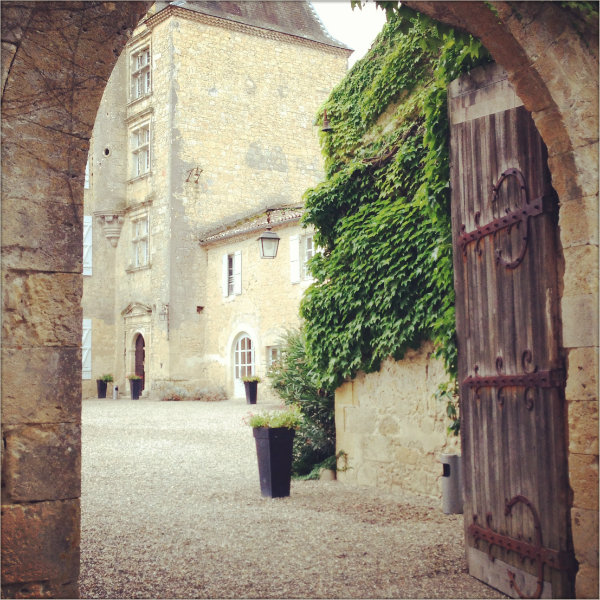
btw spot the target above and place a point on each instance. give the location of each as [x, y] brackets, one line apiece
[140, 73]
[140, 148]
[302, 249]
[87, 245]
[140, 242]
[86, 349]
[309, 252]
[232, 274]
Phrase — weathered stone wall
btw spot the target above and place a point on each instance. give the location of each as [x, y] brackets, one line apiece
[391, 426]
[237, 104]
[47, 117]
[267, 307]
[104, 203]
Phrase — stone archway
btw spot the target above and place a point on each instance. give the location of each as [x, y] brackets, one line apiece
[56, 60]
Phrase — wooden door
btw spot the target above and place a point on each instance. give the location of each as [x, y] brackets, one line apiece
[511, 371]
[140, 355]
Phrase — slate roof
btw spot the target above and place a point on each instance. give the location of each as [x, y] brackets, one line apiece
[296, 17]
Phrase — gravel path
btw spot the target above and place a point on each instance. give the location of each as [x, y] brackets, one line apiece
[171, 508]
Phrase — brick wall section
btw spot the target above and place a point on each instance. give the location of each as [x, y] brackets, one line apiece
[47, 116]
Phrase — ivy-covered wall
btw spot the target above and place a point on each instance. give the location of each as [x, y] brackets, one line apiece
[384, 280]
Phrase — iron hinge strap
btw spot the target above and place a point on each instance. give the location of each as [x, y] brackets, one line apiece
[551, 378]
[510, 219]
[553, 558]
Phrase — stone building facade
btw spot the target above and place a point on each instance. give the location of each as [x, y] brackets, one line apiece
[206, 122]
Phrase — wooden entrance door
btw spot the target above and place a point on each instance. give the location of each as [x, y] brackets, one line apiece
[140, 355]
[511, 371]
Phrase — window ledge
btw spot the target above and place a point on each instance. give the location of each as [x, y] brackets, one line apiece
[140, 177]
[231, 297]
[132, 103]
[136, 269]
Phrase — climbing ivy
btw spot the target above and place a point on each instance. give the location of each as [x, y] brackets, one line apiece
[384, 280]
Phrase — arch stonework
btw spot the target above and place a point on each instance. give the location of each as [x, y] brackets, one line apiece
[551, 57]
[56, 60]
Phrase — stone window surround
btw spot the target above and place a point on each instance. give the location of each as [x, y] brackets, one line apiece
[141, 155]
[231, 275]
[141, 46]
[135, 123]
[138, 239]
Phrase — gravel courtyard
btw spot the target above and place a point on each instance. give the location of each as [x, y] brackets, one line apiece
[171, 508]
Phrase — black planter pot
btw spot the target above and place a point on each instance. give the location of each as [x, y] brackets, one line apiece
[251, 391]
[274, 452]
[101, 387]
[136, 388]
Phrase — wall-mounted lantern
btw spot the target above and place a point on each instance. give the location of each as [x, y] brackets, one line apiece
[326, 126]
[268, 241]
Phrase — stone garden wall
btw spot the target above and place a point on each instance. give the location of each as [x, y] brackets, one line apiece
[391, 426]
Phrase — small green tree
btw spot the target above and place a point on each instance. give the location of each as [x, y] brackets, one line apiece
[296, 383]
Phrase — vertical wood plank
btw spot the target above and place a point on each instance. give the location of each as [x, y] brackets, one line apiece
[517, 447]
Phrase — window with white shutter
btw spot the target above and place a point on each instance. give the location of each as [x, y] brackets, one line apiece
[237, 273]
[87, 245]
[225, 275]
[308, 248]
[295, 259]
[231, 274]
[86, 180]
[86, 349]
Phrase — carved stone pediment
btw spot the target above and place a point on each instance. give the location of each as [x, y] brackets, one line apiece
[112, 223]
[136, 309]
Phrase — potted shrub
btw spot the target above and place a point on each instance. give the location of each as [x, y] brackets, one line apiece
[250, 384]
[135, 383]
[102, 383]
[274, 436]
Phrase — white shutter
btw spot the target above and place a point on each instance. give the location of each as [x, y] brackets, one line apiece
[86, 349]
[225, 276]
[86, 181]
[87, 245]
[237, 272]
[295, 259]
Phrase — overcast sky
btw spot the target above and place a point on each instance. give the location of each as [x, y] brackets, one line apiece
[356, 28]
